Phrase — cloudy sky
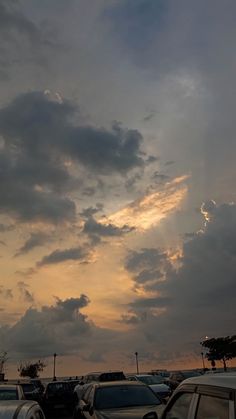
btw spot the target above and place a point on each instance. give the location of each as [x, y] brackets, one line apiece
[117, 181]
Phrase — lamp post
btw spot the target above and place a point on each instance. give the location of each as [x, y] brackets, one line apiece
[203, 362]
[54, 367]
[136, 356]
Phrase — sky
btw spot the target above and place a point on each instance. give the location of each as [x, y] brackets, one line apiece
[117, 182]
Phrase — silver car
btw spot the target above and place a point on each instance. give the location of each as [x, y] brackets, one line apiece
[11, 392]
[206, 396]
[20, 409]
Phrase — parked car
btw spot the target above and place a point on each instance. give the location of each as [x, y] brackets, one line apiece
[72, 383]
[58, 395]
[124, 399]
[155, 382]
[78, 392]
[20, 409]
[30, 391]
[103, 376]
[177, 377]
[38, 384]
[11, 392]
[205, 396]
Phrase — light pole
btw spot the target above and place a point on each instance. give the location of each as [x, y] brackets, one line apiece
[136, 356]
[54, 367]
[203, 362]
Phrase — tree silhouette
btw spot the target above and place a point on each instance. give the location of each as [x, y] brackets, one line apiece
[31, 369]
[220, 349]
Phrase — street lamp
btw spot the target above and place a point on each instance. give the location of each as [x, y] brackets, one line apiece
[203, 362]
[136, 356]
[54, 367]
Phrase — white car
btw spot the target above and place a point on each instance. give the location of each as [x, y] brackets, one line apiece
[155, 382]
[206, 396]
[20, 409]
[11, 392]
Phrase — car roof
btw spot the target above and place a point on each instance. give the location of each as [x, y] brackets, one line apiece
[117, 383]
[9, 386]
[103, 372]
[227, 380]
[57, 382]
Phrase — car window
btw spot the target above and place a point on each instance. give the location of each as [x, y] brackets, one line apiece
[6, 394]
[124, 396]
[180, 408]
[210, 407]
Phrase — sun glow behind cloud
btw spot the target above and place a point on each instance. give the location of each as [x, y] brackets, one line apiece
[149, 210]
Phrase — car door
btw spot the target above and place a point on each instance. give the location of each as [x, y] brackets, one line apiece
[86, 401]
[217, 403]
[180, 406]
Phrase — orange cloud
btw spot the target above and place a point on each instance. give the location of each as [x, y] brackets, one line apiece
[150, 209]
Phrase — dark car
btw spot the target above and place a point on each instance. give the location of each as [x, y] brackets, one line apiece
[58, 395]
[38, 384]
[30, 391]
[104, 376]
[177, 377]
[119, 400]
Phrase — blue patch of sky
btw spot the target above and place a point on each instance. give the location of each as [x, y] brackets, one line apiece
[137, 22]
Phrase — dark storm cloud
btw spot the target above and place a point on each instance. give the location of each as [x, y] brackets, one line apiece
[42, 125]
[61, 326]
[22, 41]
[151, 302]
[39, 136]
[95, 229]
[148, 266]
[160, 177]
[72, 304]
[199, 297]
[39, 332]
[90, 211]
[35, 240]
[58, 256]
[13, 21]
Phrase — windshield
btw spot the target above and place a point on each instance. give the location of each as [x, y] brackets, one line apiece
[150, 379]
[8, 394]
[28, 387]
[124, 396]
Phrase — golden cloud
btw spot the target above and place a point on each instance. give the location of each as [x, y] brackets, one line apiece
[150, 209]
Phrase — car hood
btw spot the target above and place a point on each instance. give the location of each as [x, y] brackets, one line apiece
[129, 412]
[159, 388]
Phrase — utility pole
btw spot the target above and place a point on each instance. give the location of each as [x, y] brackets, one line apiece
[203, 362]
[54, 367]
[136, 356]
